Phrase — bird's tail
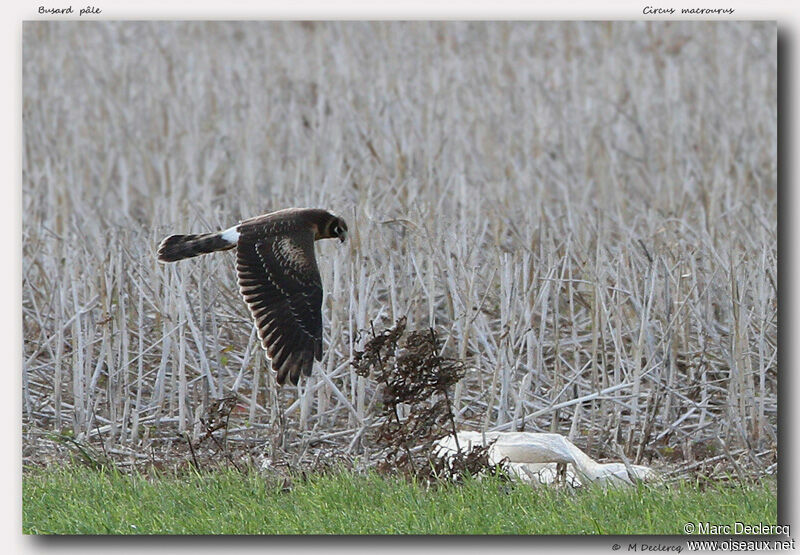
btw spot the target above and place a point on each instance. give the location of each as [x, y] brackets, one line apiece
[178, 247]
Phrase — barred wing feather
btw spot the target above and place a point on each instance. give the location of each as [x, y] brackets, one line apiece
[279, 280]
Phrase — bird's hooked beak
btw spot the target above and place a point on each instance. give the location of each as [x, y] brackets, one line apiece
[342, 236]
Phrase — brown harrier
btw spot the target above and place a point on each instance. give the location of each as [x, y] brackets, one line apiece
[278, 278]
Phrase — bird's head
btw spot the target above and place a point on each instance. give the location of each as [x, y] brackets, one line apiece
[335, 227]
[339, 229]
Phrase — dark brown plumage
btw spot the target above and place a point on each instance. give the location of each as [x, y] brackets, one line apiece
[278, 278]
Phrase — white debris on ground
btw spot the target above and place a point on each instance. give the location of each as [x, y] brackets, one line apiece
[535, 458]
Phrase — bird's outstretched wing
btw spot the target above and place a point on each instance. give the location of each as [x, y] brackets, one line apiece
[279, 280]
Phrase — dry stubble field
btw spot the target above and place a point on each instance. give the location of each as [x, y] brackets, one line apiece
[585, 211]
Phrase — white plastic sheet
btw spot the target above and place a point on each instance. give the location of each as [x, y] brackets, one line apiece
[534, 458]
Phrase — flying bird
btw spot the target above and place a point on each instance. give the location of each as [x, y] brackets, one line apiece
[278, 278]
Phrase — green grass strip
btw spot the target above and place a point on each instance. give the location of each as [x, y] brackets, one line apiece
[83, 501]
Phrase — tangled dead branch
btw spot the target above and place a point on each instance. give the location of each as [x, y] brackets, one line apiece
[416, 408]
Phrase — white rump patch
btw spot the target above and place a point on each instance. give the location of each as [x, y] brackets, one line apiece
[230, 235]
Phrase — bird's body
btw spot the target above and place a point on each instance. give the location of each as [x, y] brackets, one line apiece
[278, 278]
